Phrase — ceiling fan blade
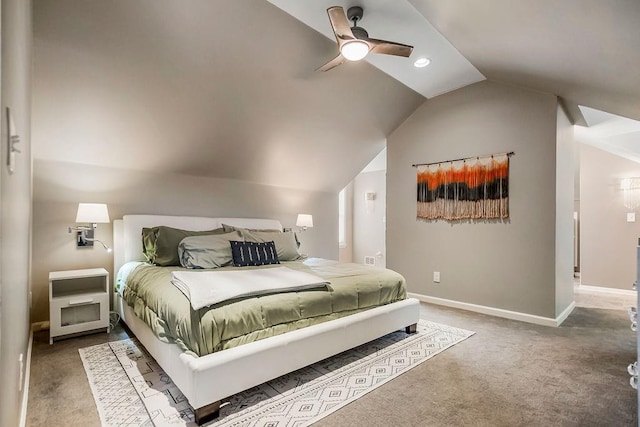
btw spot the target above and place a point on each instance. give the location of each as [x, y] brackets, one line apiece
[340, 25]
[390, 48]
[332, 64]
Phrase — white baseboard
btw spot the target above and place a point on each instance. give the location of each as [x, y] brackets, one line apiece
[603, 290]
[498, 312]
[25, 386]
[567, 311]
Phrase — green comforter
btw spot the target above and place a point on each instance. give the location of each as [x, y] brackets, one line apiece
[167, 311]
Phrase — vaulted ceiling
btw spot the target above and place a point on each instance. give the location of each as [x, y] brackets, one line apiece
[222, 88]
[585, 51]
[227, 88]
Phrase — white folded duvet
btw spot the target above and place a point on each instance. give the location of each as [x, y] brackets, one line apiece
[205, 288]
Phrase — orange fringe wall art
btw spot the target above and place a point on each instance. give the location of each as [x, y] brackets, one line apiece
[472, 188]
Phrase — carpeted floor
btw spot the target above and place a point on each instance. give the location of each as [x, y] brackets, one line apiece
[130, 389]
[511, 373]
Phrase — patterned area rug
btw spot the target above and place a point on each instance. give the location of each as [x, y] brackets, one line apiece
[131, 389]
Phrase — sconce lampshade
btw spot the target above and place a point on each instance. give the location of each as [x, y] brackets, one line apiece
[304, 220]
[631, 192]
[92, 213]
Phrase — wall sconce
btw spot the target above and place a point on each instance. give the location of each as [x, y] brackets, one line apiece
[304, 221]
[93, 214]
[631, 192]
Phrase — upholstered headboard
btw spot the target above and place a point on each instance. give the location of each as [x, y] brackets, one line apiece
[127, 232]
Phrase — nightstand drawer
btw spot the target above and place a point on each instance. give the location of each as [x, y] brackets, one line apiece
[70, 315]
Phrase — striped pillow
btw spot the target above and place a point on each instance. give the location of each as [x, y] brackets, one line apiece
[251, 253]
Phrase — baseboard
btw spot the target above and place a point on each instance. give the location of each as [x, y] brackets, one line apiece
[603, 290]
[40, 326]
[567, 311]
[498, 312]
[27, 376]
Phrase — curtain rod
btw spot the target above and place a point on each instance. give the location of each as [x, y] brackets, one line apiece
[510, 153]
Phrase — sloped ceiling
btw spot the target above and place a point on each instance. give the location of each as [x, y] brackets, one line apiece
[226, 88]
[397, 21]
[609, 132]
[586, 51]
[222, 88]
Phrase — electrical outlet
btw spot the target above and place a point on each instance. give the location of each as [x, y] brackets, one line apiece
[436, 276]
[369, 260]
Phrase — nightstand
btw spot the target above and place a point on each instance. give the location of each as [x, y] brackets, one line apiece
[78, 301]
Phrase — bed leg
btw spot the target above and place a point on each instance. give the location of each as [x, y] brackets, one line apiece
[411, 329]
[207, 413]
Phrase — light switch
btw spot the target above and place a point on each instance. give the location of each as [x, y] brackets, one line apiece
[631, 217]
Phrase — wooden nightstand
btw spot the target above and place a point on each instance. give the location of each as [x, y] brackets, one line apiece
[78, 301]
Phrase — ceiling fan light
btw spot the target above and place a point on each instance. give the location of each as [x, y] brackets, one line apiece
[354, 50]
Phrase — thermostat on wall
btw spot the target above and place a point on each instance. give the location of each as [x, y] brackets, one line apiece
[631, 217]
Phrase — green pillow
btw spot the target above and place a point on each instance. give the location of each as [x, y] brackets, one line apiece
[160, 244]
[286, 243]
[211, 251]
[229, 228]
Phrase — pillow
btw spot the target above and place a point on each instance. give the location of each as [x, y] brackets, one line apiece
[252, 253]
[286, 244]
[229, 228]
[209, 251]
[160, 244]
[149, 236]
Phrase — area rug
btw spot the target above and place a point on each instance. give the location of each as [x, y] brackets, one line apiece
[130, 388]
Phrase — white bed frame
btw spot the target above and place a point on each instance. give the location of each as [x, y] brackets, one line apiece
[207, 380]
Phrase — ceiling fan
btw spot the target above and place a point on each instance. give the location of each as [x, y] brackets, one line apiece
[354, 42]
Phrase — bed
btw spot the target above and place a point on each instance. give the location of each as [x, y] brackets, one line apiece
[207, 379]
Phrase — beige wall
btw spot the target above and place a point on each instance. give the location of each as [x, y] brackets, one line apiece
[15, 215]
[607, 241]
[509, 265]
[566, 159]
[59, 187]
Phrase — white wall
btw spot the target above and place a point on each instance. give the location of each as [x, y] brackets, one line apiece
[566, 159]
[369, 216]
[15, 214]
[59, 187]
[607, 241]
[508, 265]
[346, 252]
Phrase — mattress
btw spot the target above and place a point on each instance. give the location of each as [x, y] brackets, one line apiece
[354, 288]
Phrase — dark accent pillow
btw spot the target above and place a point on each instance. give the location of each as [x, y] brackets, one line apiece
[160, 244]
[253, 253]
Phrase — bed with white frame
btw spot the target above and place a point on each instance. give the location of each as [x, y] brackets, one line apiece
[207, 380]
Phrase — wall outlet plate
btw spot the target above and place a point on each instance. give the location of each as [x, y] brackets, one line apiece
[436, 276]
[631, 217]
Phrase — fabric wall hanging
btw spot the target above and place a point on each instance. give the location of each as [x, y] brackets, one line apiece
[470, 188]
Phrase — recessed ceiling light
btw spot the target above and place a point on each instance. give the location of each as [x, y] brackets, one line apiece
[421, 62]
